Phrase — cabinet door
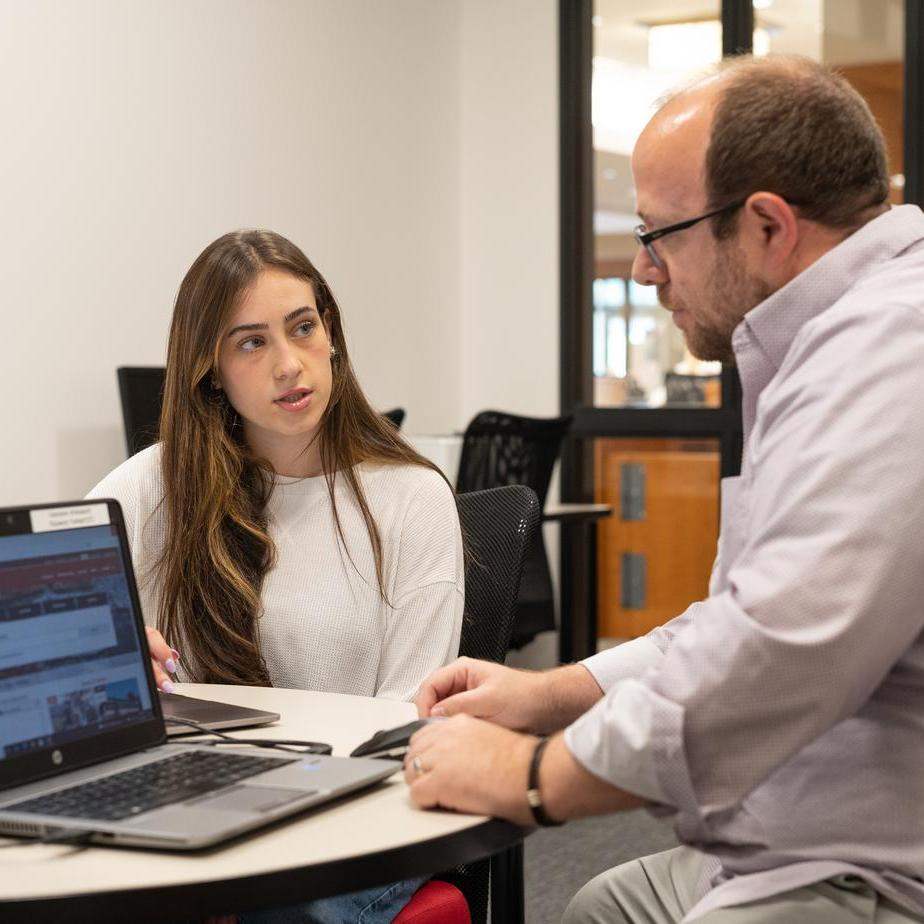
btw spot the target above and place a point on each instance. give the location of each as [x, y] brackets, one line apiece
[655, 552]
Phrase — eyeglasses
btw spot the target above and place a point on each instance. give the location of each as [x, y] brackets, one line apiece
[647, 238]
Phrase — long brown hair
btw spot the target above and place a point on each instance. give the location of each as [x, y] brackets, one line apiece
[217, 548]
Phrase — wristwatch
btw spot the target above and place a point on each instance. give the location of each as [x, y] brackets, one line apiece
[533, 796]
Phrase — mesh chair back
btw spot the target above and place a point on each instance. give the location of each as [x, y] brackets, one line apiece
[141, 390]
[396, 416]
[498, 525]
[500, 449]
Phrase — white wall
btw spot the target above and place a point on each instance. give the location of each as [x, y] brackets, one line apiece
[509, 206]
[408, 146]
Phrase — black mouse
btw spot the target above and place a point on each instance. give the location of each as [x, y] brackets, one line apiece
[391, 743]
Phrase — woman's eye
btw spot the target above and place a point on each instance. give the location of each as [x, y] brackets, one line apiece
[304, 329]
[250, 344]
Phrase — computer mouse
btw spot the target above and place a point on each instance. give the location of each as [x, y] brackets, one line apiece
[391, 743]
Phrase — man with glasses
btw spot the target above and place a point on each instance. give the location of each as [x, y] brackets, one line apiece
[779, 721]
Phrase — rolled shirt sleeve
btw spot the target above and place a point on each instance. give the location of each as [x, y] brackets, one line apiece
[624, 758]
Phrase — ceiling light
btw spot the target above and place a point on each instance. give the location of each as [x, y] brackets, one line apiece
[684, 45]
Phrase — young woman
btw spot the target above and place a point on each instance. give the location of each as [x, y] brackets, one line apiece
[282, 532]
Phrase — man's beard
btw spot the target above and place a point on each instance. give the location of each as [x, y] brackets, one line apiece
[731, 294]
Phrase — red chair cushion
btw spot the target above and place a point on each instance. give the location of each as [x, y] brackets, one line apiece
[435, 902]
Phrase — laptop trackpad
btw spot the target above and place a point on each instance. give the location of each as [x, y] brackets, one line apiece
[250, 799]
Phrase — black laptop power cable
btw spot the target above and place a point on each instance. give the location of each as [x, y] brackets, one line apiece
[280, 744]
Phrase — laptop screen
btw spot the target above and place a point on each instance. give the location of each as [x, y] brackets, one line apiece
[72, 664]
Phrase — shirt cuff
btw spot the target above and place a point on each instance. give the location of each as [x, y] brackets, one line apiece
[614, 740]
[628, 661]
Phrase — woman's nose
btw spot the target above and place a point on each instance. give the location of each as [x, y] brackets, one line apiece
[287, 363]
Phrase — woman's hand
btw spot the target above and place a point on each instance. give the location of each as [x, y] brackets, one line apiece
[163, 658]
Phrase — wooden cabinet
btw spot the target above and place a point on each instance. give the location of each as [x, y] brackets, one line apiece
[655, 553]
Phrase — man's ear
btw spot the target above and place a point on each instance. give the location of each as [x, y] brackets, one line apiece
[771, 228]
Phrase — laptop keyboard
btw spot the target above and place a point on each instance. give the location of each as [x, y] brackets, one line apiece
[163, 782]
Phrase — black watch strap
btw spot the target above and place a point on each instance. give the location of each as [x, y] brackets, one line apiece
[533, 796]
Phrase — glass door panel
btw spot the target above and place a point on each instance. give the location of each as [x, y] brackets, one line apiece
[640, 52]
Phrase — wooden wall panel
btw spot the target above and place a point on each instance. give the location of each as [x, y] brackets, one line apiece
[677, 536]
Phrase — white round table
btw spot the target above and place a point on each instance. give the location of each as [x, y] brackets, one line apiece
[373, 837]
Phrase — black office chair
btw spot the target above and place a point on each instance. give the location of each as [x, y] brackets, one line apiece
[396, 415]
[141, 391]
[681, 388]
[498, 525]
[502, 449]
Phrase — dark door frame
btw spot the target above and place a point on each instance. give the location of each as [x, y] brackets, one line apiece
[576, 249]
[576, 270]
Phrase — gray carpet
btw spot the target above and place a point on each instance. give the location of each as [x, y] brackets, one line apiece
[560, 860]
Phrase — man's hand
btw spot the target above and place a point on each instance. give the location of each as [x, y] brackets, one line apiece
[468, 765]
[163, 659]
[524, 700]
[483, 689]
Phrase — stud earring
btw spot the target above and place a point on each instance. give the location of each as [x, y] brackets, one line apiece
[333, 351]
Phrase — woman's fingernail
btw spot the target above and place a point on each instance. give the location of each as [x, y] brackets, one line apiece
[437, 710]
[167, 686]
[175, 653]
[170, 664]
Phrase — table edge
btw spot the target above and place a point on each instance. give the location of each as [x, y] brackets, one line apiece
[287, 886]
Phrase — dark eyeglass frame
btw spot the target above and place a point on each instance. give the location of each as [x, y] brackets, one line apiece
[647, 238]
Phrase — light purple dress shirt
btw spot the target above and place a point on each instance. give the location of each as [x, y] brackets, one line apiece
[781, 720]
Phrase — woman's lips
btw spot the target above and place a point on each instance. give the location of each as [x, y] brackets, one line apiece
[297, 405]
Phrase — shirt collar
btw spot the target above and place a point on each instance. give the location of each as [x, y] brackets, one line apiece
[773, 324]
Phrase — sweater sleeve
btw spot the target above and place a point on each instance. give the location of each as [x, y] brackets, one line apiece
[427, 595]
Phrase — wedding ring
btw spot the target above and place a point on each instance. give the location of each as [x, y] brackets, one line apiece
[418, 766]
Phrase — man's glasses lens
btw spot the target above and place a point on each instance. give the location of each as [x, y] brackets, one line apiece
[640, 231]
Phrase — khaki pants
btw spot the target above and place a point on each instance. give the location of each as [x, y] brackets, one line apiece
[660, 889]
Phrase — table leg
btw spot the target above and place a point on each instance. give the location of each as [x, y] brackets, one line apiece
[507, 899]
[590, 619]
[577, 633]
[565, 596]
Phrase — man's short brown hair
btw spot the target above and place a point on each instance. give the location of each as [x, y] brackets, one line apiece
[796, 128]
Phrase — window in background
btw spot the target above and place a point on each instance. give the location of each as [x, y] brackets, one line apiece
[641, 51]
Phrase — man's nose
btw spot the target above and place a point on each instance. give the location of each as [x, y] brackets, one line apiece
[645, 271]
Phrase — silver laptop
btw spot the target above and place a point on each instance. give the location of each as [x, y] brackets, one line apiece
[83, 747]
[208, 714]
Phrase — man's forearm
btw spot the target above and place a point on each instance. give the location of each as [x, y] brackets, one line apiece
[567, 692]
[570, 791]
